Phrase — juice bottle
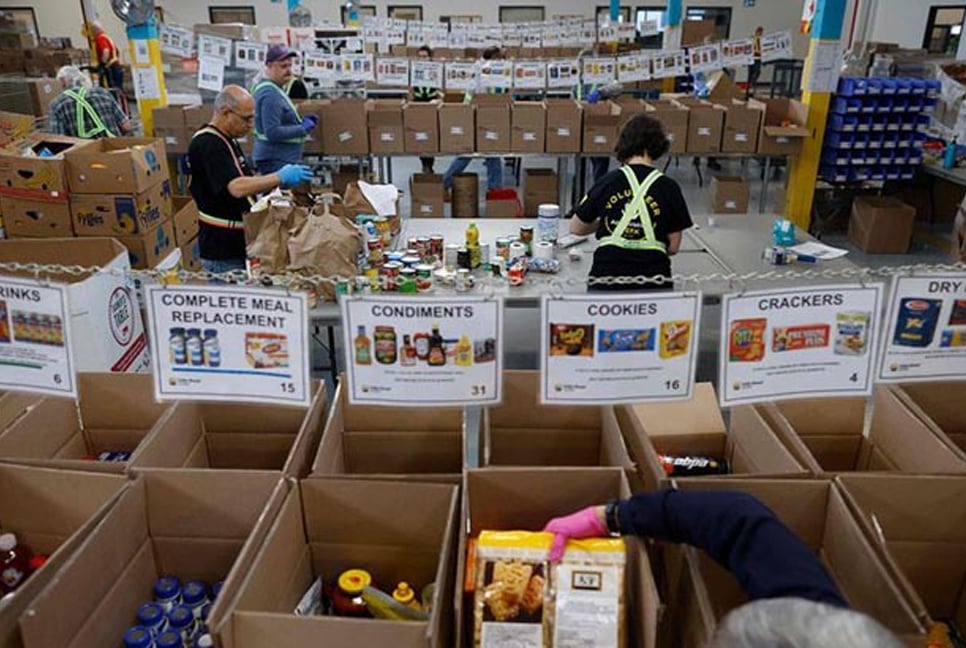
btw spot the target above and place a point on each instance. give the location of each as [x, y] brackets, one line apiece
[464, 352]
[14, 563]
[437, 350]
[404, 594]
[473, 244]
[363, 347]
[408, 355]
[347, 596]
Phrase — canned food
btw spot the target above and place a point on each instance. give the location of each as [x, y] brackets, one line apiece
[395, 256]
[411, 243]
[390, 275]
[372, 276]
[412, 251]
[484, 254]
[360, 284]
[424, 247]
[516, 272]
[410, 260]
[424, 277]
[374, 245]
[384, 229]
[463, 259]
[436, 248]
[407, 280]
[450, 255]
[526, 237]
[503, 247]
[462, 280]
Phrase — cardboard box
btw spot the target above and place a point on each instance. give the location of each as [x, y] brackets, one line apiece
[195, 525]
[937, 405]
[630, 106]
[729, 195]
[526, 499]
[345, 131]
[816, 512]
[277, 439]
[196, 116]
[705, 125]
[185, 219]
[695, 427]
[114, 413]
[741, 127]
[502, 207]
[326, 526]
[17, 41]
[191, 256]
[35, 218]
[721, 87]
[492, 123]
[313, 139]
[674, 117]
[51, 511]
[540, 186]
[428, 195]
[564, 119]
[783, 126]
[121, 214]
[364, 441]
[529, 126]
[421, 125]
[170, 126]
[103, 312]
[457, 128]
[600, 127]
[146, 250]
[42, 94]
[117, 165]
[37, 177]
[881, 224]
[13, 405]
[14, 126]
[385, 122]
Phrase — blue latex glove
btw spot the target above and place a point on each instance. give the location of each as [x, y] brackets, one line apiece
[294, 174]
[309, 122]
[594, 96]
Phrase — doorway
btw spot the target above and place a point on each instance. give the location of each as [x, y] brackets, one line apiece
[944, 29]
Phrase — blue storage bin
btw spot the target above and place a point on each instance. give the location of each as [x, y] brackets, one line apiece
[860, 142]
[886, 104]
[933, 88]
[891, 140]
[863, 124]
[907, 173]
[888, 86]
[860, 173]
[929, 105]
[892, 124]
[904, 86]
[873, 86]
[901, 104]
[868, 105]
[922, 123]
[878, 124]
[919, 87]
[843, 123]
[839, 140]
[887, 156]
[877, 173]
[874, 141]
[893, 173]
[852, 86]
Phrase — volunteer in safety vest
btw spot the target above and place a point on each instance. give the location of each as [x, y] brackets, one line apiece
[222, 183]
[109, 67]
[279, 128]
[637, 212]
[84, 111]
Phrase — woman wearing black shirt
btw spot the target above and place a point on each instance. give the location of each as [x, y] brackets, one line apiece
[637, 213]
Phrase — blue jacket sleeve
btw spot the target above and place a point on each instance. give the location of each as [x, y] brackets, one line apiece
[738, 532]
[270, 107]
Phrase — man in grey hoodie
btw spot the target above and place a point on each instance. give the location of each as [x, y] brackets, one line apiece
[279, 128]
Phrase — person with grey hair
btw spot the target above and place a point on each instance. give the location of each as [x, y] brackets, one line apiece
[794, 601]
[84, 111]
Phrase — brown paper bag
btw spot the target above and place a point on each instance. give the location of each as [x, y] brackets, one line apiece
[326, 245]
[356, 204]
[267, 233]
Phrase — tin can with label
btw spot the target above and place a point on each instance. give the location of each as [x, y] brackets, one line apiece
[463, 259]
[462, 280]
[424, 247]
[361, 285]
[384, 229]
[503, 247]
[485, 255]
[424, 277]
[343, 287]
[407, 280]
[436, 248]
[390, 275]
[372, 276]
[395, 255]
[374, 245]
[498, 266]
[411, 243]
[526, 237]
[410, 260]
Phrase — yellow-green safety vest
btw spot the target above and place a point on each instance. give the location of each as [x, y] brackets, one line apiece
[82, 106]
[260, 135]
[636, 209]
[215, 221]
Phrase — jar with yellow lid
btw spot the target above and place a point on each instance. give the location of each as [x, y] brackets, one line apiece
[347, 595]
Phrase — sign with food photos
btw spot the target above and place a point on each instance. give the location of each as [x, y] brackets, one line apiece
[925, 333]
[633, 66]
[738, 53]
[798, 343]
[598, 349]
[423, 352]
[599, 70]
[392, 71]
[563, 73]
[669, 64]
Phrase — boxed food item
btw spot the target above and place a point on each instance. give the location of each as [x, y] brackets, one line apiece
[881, 224]
[936, 404]
[503, 205]
[385, 120]
[783, 126]
[600, 127]
[42, 94]
[110, 214]
[36, 217]
[741, 127]
[185, 218]
[630, 106]
[564, 120]
[148, 248]
[428, 195]
[41, 173]
[345, 129]
[674, 117]
[457, 128]
[529, 126]
[492, 123]
[421, 125]
[197, 526]
[729, 195]
[117, 165]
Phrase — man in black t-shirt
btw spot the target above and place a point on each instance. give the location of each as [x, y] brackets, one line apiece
[222, 182]
[637, 213]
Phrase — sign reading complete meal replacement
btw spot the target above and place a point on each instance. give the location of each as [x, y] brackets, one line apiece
[423, 352]
[798, 343]
[35, 341]
[229, 344]
[925, 334]
[622, 349]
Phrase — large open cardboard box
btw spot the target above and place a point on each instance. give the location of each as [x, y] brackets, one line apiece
[35, 176]
[397, 531]
[117, 165]
[237, 437]
[695, 427]
[784, 126]
[13, 405]
[939, 406]
[194, 525]
[815, 511]
[364, 441]
[114, 413]
[343, 127]
[51, 511]
[492, 123]
[525, 499]
[385, 121]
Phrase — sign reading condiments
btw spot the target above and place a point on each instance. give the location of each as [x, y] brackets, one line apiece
[621, 349]
[229, 344]
[423, 352]
[798, 343]
[35, 342]
[925, 334]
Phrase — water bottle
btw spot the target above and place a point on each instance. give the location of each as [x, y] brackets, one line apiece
[194, 594]
[548, 219]
[167, 592]
[152, 617]
[949, 154]
[138, 637]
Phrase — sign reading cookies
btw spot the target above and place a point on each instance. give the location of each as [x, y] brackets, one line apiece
[229, 344]
[798, 343]
[423, 352]
[925, 334]
[598, 349]
[35, 350]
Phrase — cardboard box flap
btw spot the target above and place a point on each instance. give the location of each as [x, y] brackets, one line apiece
[68, 251]
[499, 100]
[785, 131]
[906, 439]
[125, 401]
[700, 414]
[941, 403]
[520, 407]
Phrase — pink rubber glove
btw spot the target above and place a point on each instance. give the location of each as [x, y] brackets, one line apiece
[585, 523]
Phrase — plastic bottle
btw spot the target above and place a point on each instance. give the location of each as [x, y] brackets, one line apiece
[204, 641]
[167, 592]
[437, 350]
[473, 244]
[216, 589]
[212, 348]
[195, 347]
[138, 637]
[548, 219]
[363, 347]
[464, 353]
[181, 620]
[176, 346]
[404, 594]
[949, 154]
[153, 617]
[169, 640]
[347, 596]
[408, 356]
[195, 595]
[352, 14]
[14, 563]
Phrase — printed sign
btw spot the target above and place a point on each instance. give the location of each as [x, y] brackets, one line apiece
[460, 76]
[426, 74]
[496, 75]
[776, 46]
[423, 352]
[738, 53]
[530, 75]
[618, 349]
[600, 71]
[211, 73]
[273, 35]
[357, 67]
[649, 27]
[215, 47]
[705, 58]
[564, 73]
[798, 342]
[669, 64]
[392, 71]
[229, 344]
[250, 56]
[925, 334]
[146, 84]
[177, 40]
[634, 66]
[320, 66]
[35, 341]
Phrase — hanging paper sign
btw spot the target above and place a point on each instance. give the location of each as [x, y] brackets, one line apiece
[798, 342]
[705, 58]
[925, 334]
[600, 70]
[35, 341]
[426, 352]
[249, 56]
[669, 64]
[649, 27]
[357, 67]
[460, 75]
[229, 344]
[302, 38]
[776, 46]
[808, 15]
[215, 47]
[324, 67]
[563, 73]
[609, 350]
[177, 40]
[476, 40]
[634, 66]
[531, 75]
[572, 37]
[511, 36]
[532, 39]
[626, 32]
[738, 53]
[415, 38]
[437, 36]
[211, 73]
[493, 35]
[392, 71]
[457, 40]
[395, 36]
[273, 35]
[551, 37]
[607, 33]
[426, 74]
[146, 85]
[496, 74]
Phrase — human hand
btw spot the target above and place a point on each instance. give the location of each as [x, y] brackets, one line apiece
[585, 523]
[309, 122]
[293, 174]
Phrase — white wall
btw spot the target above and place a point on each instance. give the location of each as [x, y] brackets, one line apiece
[902, 21]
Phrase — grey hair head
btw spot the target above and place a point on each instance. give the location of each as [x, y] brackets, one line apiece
[229, 98]
[72, 77]
[799, 623]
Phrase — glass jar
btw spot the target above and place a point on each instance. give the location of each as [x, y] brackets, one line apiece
[385, 343]
[347, 595]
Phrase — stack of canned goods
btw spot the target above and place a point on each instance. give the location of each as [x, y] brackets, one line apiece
[405, 271]
[177, 618]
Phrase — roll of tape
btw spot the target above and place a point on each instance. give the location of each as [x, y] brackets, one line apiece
[517, 250]
[543, 250]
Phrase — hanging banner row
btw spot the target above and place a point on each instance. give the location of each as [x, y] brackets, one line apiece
[252, 344]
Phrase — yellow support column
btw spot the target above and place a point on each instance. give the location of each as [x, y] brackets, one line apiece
[803, 170]
[145, 52]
